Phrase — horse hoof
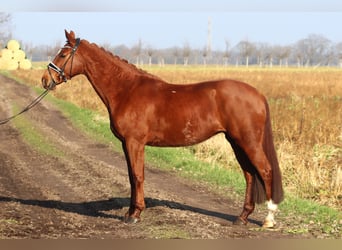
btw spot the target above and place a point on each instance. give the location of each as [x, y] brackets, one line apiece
[269, 224]
[131, 220]
[240, 221]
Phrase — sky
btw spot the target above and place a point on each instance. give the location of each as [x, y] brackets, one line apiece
[175, 23]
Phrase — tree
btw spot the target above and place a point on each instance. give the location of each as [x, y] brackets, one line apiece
[282, 53]
[246, 49]
[186, 53]
[261, 52]
[205, 55]
[150, 52]
[137, 51]
[5, 29]
[338, 48]
[122, 51]
[227, 53]
[312, 49]
[175, 53]
[51, 50]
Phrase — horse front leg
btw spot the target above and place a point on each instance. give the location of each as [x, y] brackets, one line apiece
[134, 152]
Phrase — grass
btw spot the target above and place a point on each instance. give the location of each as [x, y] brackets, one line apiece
[305, 216]
[33, 137]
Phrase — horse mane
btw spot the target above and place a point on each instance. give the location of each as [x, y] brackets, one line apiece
[123, 68]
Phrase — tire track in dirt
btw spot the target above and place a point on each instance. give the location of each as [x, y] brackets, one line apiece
[85, 192]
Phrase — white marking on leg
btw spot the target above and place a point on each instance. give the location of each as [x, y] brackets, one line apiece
[272, 209]
[272, 206]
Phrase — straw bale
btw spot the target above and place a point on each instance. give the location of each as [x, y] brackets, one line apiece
[13, 45]
[7, 54]
[8, 64]
[2, 63]
[25, 64]
[18, 55]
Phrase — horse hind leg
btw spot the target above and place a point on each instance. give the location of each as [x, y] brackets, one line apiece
[265, 176]
[258, 175]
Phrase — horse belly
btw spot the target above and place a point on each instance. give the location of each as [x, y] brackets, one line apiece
[184, 132]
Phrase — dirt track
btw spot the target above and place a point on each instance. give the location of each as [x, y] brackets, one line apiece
[84, 192]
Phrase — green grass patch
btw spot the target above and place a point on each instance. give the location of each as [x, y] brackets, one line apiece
[307, 216]
[32, 136]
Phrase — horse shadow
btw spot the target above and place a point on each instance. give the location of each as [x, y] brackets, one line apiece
[98, 208]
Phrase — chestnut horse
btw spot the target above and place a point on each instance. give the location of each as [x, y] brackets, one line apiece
[145, 110]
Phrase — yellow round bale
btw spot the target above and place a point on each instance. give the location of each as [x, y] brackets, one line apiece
[6, 54]
[25, 64]
[2, 63]
[13, 45]
[9, 64]
[18, 55]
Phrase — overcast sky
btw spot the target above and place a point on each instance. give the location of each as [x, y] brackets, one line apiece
[162, 24]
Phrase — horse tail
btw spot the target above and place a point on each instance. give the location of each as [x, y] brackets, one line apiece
[259, 193]
[269, 149]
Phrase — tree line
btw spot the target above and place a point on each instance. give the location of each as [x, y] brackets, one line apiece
[312, 51]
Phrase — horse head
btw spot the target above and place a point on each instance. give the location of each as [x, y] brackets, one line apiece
[66, 63]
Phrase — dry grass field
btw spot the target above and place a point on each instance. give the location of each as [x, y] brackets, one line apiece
[306, 111]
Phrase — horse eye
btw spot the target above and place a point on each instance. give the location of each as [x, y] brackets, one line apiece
[62, 55]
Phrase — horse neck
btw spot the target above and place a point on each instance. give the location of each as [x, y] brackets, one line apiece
[107, 75]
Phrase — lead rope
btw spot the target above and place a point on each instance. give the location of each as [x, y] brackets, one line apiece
[31, 105]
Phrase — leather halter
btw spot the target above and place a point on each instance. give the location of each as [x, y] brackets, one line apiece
[60, 71]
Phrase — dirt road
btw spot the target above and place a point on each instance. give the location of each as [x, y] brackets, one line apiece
[83, 191]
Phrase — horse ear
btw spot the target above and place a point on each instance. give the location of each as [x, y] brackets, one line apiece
[70, 36]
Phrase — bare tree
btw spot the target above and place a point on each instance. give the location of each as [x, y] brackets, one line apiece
[137, 51]
[51, 50]
[269, 55]
[205, 55]
[121, 50]
[227, 53]
[186, 53]
[175, 53]
[261, 52]
[312, 49]
[246, 49]
[338, 48]
[107, 46]
[282, 53]
[150, 51]
[5, 29]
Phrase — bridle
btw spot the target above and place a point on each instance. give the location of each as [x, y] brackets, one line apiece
[60, 71]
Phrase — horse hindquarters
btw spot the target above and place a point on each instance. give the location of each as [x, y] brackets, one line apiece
[251, 138]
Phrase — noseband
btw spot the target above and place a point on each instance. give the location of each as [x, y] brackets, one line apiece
[60, 71]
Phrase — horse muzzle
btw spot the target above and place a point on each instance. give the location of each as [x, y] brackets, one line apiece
[48, 83]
